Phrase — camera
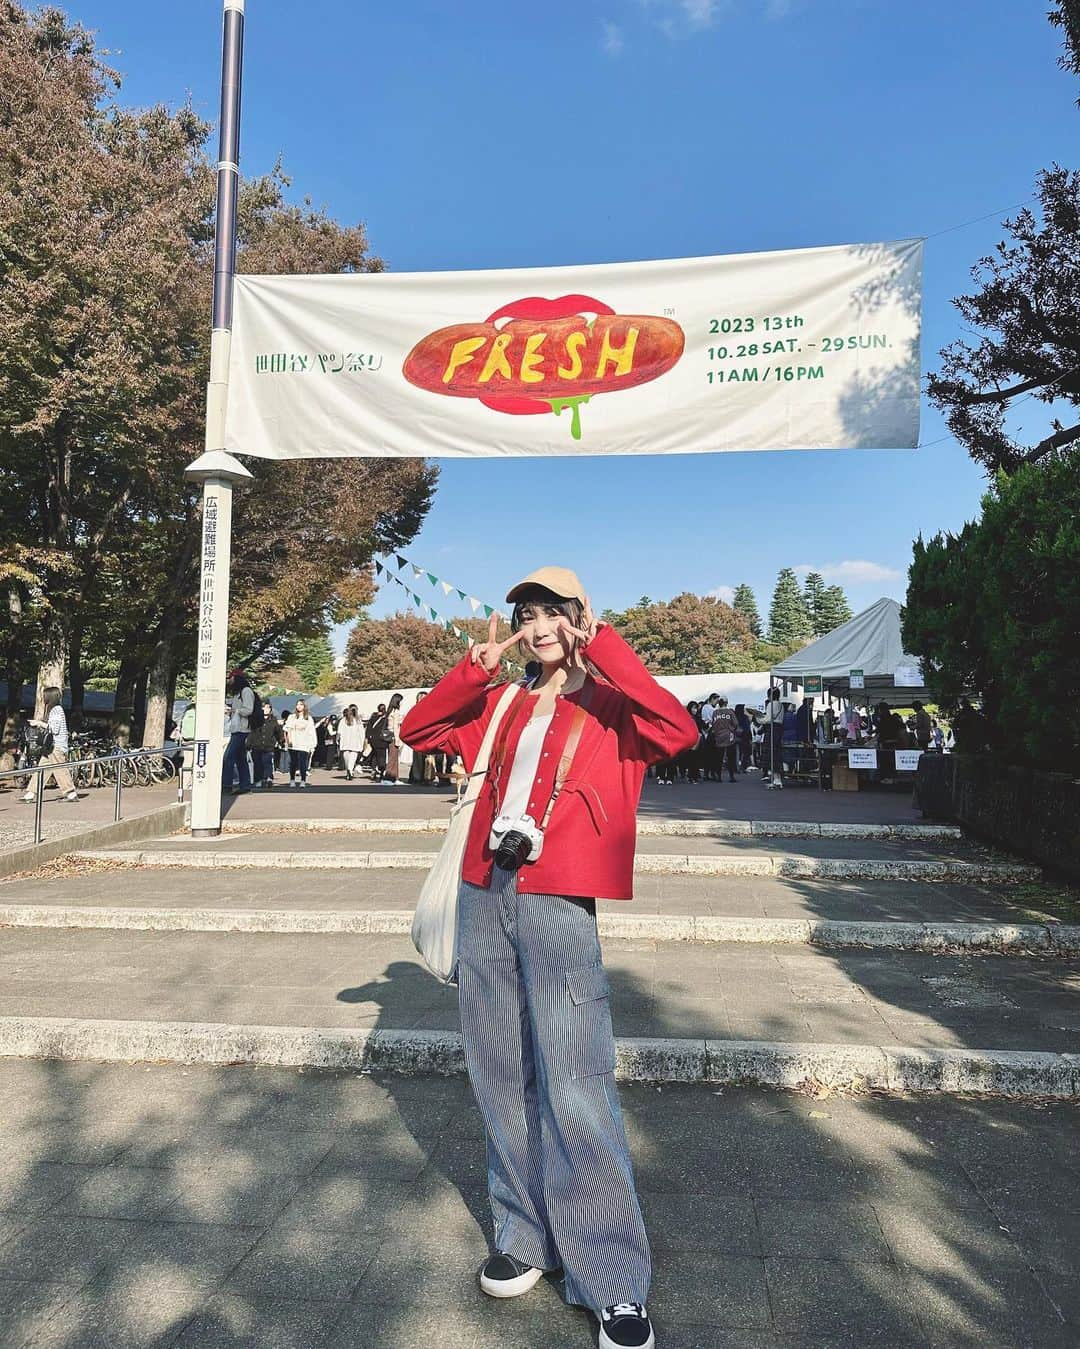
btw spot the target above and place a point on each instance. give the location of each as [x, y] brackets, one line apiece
[515, 840]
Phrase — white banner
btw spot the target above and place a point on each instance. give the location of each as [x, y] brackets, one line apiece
[814, 348]
[862, 758]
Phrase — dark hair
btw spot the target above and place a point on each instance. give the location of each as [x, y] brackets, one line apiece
[395, 702]
[571, 609]
[774, 693]
[51, 697]
[239, 681]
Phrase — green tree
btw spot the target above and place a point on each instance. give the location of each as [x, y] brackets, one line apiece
[312, 656]
[788, 619]
[690, 634]
[405, 651]
[813, 595]
[744, 603]
[995, 611]
[832, 610]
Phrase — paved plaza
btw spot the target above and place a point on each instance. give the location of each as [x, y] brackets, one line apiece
[258, 1204]
[197, 1207]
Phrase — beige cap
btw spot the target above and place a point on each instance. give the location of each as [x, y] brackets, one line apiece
[560, 581]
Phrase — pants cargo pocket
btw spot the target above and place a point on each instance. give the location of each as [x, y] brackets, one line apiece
[591, 1044]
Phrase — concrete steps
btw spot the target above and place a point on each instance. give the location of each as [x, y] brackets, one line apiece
[727, 1012]
[647, 828]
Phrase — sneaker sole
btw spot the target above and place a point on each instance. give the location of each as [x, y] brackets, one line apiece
[605, 1343]
[512, 1287]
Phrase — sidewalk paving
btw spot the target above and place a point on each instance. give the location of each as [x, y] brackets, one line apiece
[206, 1207]
[60, 818]
[723, 991]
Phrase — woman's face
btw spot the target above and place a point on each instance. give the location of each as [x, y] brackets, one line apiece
[301, 709]
[545, 637]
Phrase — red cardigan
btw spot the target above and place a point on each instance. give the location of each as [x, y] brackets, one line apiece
[630, 722]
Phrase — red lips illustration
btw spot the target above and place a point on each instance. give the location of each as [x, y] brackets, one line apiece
[536, 355]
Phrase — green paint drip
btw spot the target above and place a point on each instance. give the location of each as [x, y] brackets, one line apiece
[574, 404]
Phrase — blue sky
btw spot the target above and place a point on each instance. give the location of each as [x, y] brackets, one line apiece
[497, 135]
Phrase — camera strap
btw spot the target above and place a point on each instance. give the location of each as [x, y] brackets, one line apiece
[573, 739]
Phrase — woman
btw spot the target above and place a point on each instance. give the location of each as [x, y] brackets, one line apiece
[301, 738]
[350, 741]
[54, 725]
[378, 737]
[690, 760]
[570, 755]
[393, 746]
[263, 742]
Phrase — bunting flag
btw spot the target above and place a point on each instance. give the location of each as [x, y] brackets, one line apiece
[447, 587]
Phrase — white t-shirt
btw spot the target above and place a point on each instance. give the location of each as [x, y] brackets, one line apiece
[300, 733]
[524, 768]
[707, 712]
[350, 737]
[57, 724]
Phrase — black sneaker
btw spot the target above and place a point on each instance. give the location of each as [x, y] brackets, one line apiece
[503, 1276]
[626, 1326]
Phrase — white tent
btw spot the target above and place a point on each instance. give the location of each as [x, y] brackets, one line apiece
[869, 642]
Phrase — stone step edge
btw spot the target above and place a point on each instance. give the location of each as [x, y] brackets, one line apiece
[646, 828]
[997, 1072]
[928, 937]
[646, 864]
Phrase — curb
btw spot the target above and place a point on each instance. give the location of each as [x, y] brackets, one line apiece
[664, 864]
[154, 824]
[929, 937]
[646, 828]
[728, 1062]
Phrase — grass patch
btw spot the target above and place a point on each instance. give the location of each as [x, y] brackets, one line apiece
[1043, 899]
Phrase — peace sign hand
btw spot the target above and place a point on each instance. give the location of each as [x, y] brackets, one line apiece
[489, 653]
[589, 625]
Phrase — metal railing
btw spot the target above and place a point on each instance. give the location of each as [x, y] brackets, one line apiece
[116, 757]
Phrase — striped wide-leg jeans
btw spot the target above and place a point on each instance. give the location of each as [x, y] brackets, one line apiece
[539, 1048]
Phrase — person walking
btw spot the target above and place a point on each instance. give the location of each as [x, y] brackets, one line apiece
[241, 709]
[552, 829]
[709, 766]
[54, 750]
[350, 741]
[301, 738]
[724, 734]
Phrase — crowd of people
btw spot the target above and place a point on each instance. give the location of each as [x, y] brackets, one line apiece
[261, 744]
[732, 741]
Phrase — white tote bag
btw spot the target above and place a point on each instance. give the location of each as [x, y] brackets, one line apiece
[434, 929]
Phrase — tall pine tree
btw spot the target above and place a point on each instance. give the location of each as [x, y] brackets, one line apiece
[833, 609]
[788, 619]
[744, 603]
[813, 595]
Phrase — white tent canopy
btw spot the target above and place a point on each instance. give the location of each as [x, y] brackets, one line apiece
[869, 642]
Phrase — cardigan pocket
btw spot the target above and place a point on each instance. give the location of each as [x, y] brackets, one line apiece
[591, 1043]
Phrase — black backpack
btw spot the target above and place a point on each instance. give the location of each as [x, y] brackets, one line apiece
[258, 716]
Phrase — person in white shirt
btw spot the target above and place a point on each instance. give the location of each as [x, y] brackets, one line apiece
[56, 725]
[301, 739]
[350, 741]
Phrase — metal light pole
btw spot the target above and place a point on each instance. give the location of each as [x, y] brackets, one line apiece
[217, 471]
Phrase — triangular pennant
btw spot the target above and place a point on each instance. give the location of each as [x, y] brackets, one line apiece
[474, 604]
[416, 599]
[455, 630]
[401, 561]
[417, 572]
[446, 587]
[433, 578]
[378, 568]
[488, 610]
[462, 594]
